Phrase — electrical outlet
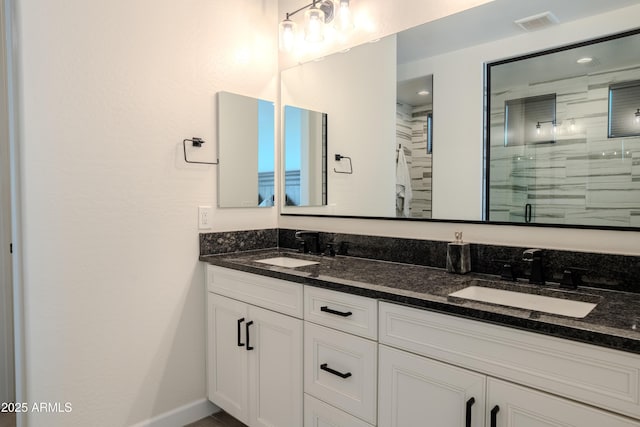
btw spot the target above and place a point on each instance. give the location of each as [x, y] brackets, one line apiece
[205, 214]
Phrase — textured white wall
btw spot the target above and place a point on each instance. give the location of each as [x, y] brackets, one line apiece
[114, 292]
[461, 73]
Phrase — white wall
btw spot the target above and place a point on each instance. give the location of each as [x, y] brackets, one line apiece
[114, 292]
[459, 74]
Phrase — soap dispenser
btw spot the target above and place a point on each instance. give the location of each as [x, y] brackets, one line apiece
[458, 255]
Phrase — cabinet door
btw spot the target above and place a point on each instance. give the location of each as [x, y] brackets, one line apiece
[416, 391]
[509, 405]
[275, 369]
[227, 379]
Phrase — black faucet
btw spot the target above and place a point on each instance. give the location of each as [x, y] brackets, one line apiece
[534, 257]
[313, 236]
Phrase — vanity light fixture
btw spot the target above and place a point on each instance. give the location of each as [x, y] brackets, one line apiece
[287, 34]
[314, 19]
[317, 15]
[584, 60]
[637, 114]
[423, 93]
[344, 19]
[538, 126]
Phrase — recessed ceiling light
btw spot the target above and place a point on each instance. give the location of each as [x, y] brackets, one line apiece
[423, 92]
[584, 60]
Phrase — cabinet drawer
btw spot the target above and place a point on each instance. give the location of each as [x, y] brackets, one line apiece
[340, 369]
[598, 376]
[319, 414]
[267, 292]
[349, 313]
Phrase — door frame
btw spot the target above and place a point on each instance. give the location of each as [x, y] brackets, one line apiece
[9, 114]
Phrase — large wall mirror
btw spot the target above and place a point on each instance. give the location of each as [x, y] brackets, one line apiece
[564, 135]
[246, 129]
[440, 136]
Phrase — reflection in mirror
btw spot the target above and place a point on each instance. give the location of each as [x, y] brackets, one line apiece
[414, 133]
[305, 157]
[246, 130]
[564, 135]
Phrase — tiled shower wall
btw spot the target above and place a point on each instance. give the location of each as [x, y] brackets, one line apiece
[411, 133]
[582, 178]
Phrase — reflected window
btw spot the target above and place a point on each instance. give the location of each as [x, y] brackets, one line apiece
[624, 109]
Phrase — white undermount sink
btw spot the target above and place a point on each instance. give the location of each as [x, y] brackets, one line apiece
[563, 307]
[283, 261]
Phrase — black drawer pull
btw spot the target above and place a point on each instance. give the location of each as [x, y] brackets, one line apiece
[240, 344]
[336, 312]
[247, 333]
[324, 367]
[470, 403]
[494, 416]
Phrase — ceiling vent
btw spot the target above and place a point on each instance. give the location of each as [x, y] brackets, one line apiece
[537, 22]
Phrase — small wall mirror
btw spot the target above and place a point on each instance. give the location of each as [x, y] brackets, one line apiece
[563, 141]
[246, 129]
[305, 157]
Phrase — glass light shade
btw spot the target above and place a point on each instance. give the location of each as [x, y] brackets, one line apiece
[344, 17]
[287, 35]
[638, 116]
[314, 25]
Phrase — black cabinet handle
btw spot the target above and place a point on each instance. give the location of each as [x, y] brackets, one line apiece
[240, 344]
[324, 367]
[336, 312]
[527, 213]
[470, 403]
[247, 333]
[494, 416]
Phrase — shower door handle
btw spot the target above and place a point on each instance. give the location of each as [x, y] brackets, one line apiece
[527, 212]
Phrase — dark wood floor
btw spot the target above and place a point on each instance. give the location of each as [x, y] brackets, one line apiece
[8, 419]
[221, 419]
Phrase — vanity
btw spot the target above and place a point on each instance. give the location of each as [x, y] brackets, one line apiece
[297, 339]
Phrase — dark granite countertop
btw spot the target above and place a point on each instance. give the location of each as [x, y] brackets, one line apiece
[611, 324]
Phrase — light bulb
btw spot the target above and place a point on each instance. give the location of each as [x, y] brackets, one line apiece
[344, 18]
[314, 25]
[287, 35]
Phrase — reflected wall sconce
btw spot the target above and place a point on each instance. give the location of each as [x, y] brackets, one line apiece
[638, 116]
[538, 125]
[317, 15]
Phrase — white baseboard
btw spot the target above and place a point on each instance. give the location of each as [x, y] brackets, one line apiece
[181, 416]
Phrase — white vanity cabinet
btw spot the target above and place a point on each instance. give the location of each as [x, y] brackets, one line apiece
[415, 387]
[254, 352]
